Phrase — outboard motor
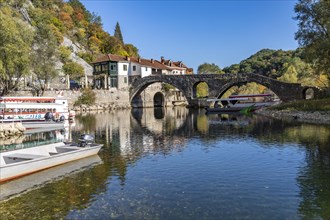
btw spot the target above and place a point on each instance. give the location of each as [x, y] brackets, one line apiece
[85, 139]
[49, 116]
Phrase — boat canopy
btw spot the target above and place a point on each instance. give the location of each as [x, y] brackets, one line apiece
[251, 95]
[228, 99]
[29, 105]
[30, 99]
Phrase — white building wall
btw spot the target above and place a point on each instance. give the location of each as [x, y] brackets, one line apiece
[137, 71]
[121, 71]
[178, 72]
[145, 71]
[123, 75]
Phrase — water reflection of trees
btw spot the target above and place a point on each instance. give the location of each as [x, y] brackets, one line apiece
[128, 136]
[55, 199]
[313, 180]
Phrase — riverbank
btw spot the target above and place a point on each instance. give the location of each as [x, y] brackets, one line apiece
[316, 111]
[315, 117]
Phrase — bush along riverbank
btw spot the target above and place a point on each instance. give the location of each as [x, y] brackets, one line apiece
[311, 111]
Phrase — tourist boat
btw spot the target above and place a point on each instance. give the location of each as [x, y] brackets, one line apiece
[257, 100]
[241, 103]
[24, 109]
[228, 106]
[17, 163]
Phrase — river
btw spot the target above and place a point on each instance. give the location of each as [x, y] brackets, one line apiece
[178, 163]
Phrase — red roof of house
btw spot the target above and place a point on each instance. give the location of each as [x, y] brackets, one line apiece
[162, 64]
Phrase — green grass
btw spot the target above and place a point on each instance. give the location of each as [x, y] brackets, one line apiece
[305, 105]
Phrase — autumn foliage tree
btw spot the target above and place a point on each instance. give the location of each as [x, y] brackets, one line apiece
[313, 34]
[15, 47]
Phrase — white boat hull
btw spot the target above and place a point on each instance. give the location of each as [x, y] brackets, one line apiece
[30, 182]
[30, 160]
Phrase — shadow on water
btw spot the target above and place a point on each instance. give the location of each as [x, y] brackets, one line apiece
[132, 138]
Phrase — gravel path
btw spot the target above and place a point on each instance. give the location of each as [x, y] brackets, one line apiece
[316, 117]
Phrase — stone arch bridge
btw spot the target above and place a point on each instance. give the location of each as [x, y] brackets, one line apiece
[218, 84]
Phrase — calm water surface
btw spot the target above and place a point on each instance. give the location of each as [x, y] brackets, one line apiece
[180, 164]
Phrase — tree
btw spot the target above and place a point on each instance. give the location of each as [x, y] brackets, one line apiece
[88, 97]
[15, 43]
[313, 33]
[209, 68]
[44, 57]
[74, 70]
[118, 34]
[131, 50]
[202, 90]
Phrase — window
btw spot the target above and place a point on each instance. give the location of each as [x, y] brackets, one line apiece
[134, 68]
[125, 79]
[112, 67]
[113, 81]
[97, 68]
[104, 67]
[146, 68]
[125, 67]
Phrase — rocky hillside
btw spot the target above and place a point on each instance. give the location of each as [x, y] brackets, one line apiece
[46, 40]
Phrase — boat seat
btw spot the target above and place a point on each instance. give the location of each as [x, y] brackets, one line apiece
[66, 149]
[24, 156]
[53, 153]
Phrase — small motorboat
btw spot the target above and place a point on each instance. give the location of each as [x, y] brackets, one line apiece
[241, 103]
[17, 163]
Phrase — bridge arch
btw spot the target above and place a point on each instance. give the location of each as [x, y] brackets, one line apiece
[198, 86]
[228, 86]
[141, 84]
[309, 93]
[284, 91]
[159, 99]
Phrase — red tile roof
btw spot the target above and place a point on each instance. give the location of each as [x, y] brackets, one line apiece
[162, 64]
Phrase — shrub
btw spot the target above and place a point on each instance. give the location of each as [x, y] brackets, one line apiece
[87, 97]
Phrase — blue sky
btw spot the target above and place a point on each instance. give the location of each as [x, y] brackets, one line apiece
[195, 32]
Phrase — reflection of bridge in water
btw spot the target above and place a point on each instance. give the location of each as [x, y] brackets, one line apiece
[150, 129]
[218, 84]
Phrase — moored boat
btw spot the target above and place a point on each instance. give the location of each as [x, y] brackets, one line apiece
[26, 109]
[228, 106]
[27, 183]
[17, 163]
[241, 103]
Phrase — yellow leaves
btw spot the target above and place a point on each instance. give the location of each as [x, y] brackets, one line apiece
[67, 9]
[290, 75]
[323, 80]
[82, 32]
[202, 90]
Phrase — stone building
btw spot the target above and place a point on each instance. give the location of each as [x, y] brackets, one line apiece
[114, 71]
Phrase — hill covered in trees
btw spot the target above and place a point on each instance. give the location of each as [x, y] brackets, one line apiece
[286, 66]
[32, 36]
[308, 65]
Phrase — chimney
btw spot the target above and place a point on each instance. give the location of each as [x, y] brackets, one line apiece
[152, 60]
[139, 59]
[128, 58]
[162, 59]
